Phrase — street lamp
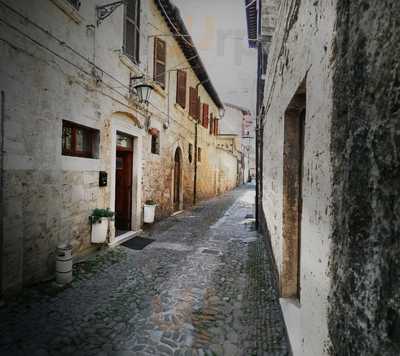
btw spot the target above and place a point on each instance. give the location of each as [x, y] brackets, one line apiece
[143, 92]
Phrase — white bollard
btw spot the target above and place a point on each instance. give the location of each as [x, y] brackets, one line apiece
[64, 264]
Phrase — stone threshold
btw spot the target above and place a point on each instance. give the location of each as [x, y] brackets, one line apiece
[124, 237]
[177, 212]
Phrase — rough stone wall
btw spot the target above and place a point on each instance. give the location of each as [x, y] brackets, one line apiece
[364, 316]
[301, 51]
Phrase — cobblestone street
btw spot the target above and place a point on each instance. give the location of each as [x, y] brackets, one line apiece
[204, 287]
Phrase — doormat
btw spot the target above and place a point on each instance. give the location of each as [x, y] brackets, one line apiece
[137, 243]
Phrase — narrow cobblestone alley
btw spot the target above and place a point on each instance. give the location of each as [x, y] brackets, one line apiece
[204, 287]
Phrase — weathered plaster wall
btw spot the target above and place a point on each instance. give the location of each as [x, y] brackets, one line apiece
[302, 50]
[48, 196]
[158, 172]
[232, 122]
[228, 172]
[364, 316]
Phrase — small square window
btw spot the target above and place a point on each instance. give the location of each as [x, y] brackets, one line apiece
[155, 143]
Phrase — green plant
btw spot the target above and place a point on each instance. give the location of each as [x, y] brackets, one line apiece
[150, 202]
[97, 214]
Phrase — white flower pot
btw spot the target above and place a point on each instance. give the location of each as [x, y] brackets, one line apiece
[149, 213]
[99, 231]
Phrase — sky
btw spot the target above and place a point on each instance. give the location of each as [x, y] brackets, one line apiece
[219, 31]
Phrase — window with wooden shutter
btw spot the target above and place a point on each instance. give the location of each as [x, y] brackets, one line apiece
[211, 123]
[205, 115]
[181, 88]
[132, 30]
[216, 128]
[193, 102]
[160, 55]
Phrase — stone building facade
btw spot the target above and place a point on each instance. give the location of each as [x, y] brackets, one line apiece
[239, 121]
[329, 124]
[70, 115]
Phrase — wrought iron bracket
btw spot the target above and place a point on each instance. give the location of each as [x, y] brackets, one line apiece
[105, 11]
[133, 80]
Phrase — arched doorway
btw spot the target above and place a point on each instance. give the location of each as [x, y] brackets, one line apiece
[177, 179]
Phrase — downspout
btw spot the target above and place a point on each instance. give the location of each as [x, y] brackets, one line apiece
[168, 99]
[195, 164]
[195, 147]
[257, 171]
[2, 118]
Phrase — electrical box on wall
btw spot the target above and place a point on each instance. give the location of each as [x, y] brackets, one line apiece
[103, 179]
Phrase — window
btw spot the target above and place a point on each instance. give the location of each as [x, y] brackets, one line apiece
[160, 54]
[155, 142]
[190, 153]
[193, 103]
[205, 115]
[198, 154]
[181, 88]
[78, 140]
[211, 123]
[216, 128]
[132, 29]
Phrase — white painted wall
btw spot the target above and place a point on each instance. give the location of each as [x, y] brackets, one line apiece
[308, 54]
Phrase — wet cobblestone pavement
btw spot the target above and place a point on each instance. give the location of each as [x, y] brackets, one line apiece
[204, 287]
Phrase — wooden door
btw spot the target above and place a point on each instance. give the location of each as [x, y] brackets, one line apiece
[123, 190]
[177, 180]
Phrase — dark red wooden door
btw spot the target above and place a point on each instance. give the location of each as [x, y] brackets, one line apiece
[177, 181]
[123, 190]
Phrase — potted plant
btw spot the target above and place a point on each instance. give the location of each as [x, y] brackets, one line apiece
[149, 211]
[99, 220]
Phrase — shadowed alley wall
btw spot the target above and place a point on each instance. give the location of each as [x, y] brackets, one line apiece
[365, 297]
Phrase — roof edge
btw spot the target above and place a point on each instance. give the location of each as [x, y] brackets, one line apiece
[174, 20]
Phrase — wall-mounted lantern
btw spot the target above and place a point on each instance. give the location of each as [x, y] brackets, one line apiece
[143, 92]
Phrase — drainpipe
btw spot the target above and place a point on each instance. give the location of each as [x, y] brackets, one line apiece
[257, 202]
[195, 147]
[2, 118]
[168, 98]
[195, 163]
